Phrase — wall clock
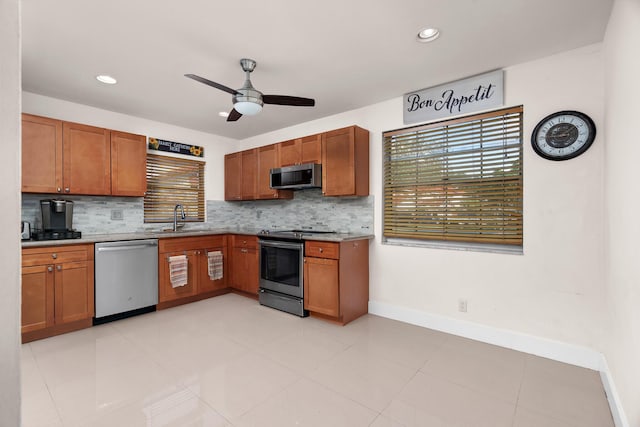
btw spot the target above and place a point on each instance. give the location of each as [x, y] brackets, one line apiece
[563, 135]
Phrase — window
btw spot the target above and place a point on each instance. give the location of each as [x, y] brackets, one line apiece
[458, 180]
[172, 181]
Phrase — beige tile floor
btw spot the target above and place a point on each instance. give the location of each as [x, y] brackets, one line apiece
[227, 361]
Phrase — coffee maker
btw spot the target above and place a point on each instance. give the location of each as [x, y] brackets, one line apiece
[57, 220]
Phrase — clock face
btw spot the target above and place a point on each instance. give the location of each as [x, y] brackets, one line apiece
[563, 135]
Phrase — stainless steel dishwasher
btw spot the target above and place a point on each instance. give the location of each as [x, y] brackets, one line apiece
[126, 278]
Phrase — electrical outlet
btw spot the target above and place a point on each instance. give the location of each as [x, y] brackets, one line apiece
[462, 305]
[117, 215]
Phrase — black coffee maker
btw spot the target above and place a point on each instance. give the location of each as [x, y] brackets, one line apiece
[57, 220]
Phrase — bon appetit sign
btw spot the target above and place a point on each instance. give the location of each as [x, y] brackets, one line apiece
[476, 93]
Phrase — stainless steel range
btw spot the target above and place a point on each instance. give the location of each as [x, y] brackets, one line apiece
[281, 269]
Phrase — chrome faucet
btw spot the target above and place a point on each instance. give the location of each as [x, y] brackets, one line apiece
[175, 217]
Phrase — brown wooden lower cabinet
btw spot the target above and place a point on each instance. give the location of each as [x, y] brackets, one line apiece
[244, 264]
[199, 284]
[336, 279]
[57, 290]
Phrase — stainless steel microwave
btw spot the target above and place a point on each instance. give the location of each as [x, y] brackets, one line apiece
[308, 175]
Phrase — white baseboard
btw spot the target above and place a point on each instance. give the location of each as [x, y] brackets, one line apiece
[617, 412]
[543, 347]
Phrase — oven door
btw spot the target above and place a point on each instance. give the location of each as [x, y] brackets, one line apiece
[281, 266]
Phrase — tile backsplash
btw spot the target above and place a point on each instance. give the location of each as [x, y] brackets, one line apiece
[309, 208]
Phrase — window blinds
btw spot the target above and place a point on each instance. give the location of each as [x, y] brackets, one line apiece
[172, 181]
[457, 180]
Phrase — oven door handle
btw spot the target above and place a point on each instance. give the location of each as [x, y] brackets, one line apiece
[284, 245]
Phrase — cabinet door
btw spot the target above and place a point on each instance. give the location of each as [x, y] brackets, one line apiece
[338, 176]
[245, 269]
[311, 149]
[205, 284]
[73, 291]
[249, 174]
[37, 297]
[321, 286]
[86, 159]
[290, 152]
[233, 176]
[166, 291]
[128, 164]
[41, 155]
[268, 159]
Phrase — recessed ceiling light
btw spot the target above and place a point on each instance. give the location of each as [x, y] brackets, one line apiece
[106, 79]
[223, 114]
[428, 35]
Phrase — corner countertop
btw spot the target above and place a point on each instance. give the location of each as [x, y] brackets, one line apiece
[114, 237]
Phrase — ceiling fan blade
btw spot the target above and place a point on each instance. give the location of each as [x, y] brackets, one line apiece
[212, 84]
[288, 100]
[233, 116]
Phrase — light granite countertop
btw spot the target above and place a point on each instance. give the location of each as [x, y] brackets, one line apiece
[113, 237]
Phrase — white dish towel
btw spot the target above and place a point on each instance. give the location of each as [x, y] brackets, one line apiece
[178, 270]
[215, 264]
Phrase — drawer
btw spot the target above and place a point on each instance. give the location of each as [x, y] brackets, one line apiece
[241, 241]
[31, 257]
[322, 249]
[191, 243]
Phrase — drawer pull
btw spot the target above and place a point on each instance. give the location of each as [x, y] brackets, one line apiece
[54, 256]
[244, 251]
[320, 249]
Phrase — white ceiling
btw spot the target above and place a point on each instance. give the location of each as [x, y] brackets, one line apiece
[344, 53]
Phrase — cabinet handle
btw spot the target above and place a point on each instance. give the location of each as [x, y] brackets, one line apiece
[244, 251]
[66, 190]
[320, 249]
[54, 256]
[50, 269]
[244, 242]
[59, 190]
[59, 267]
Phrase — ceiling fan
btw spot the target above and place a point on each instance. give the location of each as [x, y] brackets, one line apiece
[247, 100]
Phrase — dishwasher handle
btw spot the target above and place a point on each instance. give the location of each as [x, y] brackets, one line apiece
[126, 247]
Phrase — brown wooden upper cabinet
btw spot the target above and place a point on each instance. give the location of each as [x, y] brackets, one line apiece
[343, 153]
[128, 164]
[249, 174]
[233, 176]
[241, 175]
[345, 162]
[267, 160]
[72, 158]
[301, 150]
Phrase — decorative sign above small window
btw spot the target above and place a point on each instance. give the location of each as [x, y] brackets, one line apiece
[481, 92]
[175, 147]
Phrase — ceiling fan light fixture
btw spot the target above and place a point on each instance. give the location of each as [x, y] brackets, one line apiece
[428, 35]
[247, 108]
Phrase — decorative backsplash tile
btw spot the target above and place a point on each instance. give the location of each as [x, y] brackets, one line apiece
[309, 208]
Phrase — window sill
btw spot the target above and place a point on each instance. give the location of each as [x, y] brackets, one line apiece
[455, 246]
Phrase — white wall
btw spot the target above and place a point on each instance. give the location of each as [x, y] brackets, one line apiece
[555, 290]
[622, 180]
[10, 195]
[215, 147]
